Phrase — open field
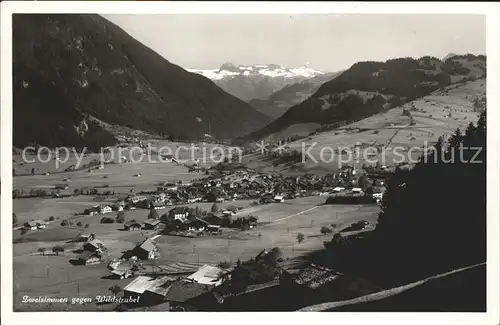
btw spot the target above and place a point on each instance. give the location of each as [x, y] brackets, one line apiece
[47, 162]
[280, 223]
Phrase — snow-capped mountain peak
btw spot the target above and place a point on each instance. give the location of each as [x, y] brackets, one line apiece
[269, 70]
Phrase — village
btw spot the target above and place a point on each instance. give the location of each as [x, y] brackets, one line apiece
[173, 211]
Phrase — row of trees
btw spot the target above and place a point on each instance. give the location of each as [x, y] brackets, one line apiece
[56, 249]
[79, 224]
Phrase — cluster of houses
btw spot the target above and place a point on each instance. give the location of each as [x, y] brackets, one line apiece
[92, 250]
[206, 288]
[245, 183]
[174, 292]
[187, 219]
[34, 225]
[157, 202]
[228, 185]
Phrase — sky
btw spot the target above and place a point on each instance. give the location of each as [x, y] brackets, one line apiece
[323, 42]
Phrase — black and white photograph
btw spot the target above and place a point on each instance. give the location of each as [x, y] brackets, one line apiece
[275, 161]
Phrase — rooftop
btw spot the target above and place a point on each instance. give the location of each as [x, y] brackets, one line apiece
[86, 255]
[207, 274]
[182, 291]
[147, 245]
[143, 283]
[316, 276]
[152, 222]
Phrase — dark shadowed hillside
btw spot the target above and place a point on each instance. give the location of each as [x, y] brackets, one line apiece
[67, 67]
[368, 88]
[462, 290]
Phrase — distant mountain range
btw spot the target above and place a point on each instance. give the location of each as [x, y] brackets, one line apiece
[257, 81]
[70, 71]
[368, 88]
[279, 102]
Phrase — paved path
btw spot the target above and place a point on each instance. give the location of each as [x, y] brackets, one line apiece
[291, 216]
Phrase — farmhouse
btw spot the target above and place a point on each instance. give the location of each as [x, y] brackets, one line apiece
[159, 205]
[146, 250]
[186, 293]
[214, 229]
[157, 291]
[207, 274]
[227, 213]
[31, 225]
[94, 246]
[169, 187]
[104, 208]
[61, 186]
[119, 206]
[196, 224]
[132, 225]
[377, 196]
[179, 213]
[357, 190]
[313, 277]
[123, 269]
[151, 224]
[159, 198]
[34, 224]
[84, 238]
[91, 211]
[142, 283]
[137, 198]
[88, 258]
[278, 199]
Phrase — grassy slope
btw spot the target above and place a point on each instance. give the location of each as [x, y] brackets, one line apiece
[391, 128]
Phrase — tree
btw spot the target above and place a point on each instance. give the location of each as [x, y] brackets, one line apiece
[64, 223]
[300, 237]
[41, 250]
[214, 208]
[456, 138]
[79, 224]
[51, 218]
[57, 249]
[147, 204]
[337, 239]
[274, 256]
[120, 217]
[325, 230]
[87, 225]
[197, 212]
[363, 182]
[224, 265]
[452, 192]
[116, 289]
[14, 219]
[107, 220]
[153, 214]
[213, 194]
